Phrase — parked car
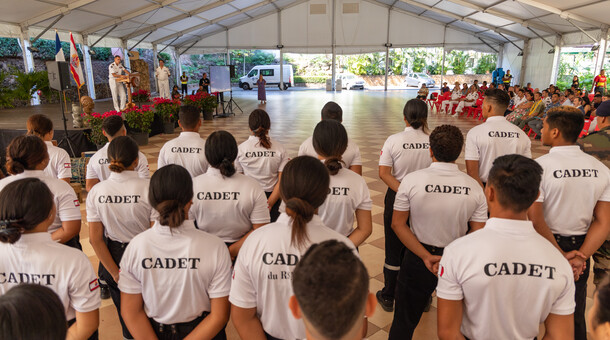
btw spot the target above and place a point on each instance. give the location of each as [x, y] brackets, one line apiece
[271, 74]
[350, 81]
[417, 79]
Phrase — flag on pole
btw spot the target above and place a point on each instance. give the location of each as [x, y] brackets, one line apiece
[59, 53]
[75, 68]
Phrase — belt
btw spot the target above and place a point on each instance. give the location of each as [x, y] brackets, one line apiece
[574, 239]
[117, 243]
[433, 249]
[182, 327]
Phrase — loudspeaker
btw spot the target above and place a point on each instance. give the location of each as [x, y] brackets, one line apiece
[59, 75]
[232, 71]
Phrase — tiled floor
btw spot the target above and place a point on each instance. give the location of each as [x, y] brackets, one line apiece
[370, 117]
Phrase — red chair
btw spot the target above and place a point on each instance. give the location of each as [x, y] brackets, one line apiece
[432, 100]
[441, 99]
[591, 96]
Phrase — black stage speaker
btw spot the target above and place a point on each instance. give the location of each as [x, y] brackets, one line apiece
[232, 71]
[59, 75]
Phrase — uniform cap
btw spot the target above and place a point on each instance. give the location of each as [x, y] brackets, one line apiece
[603, 110]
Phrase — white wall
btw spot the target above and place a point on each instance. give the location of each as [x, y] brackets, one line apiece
[510, 61]
[539, 63]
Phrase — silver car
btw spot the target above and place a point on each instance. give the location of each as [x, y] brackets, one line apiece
[350, 81]
[417, 79]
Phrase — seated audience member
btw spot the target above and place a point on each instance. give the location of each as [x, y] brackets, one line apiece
[599, 314]
[261, 287]
[597, 99]
[536, 123]
[502, 87]
[569, 98]
[330, 278]
[464, 90]
[59, 160]
[536, 110]
[523, 108]
[175, 279]
[33, 311]
[546, 98]
[494, 138]
[476, 289]
[351, 157]
[475, 83]
[455, 98]
[445, 88]
[176, 93]
[469, 101]
[484, 87]
[587, 107]
[423, 92]
[519, 97]
[529, 87]
[188, 149]
[491, 86]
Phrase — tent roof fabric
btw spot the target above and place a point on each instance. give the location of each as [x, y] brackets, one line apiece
[219, 24]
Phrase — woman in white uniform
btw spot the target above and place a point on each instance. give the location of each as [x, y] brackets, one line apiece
[59, 160]
[348, 193]
[227, 204]
[263, 158]
[29, 255]
[27, 157]
[117, 211]
[175, 279]
[262, 279]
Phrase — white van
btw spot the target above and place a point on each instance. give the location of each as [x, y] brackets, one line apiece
[271, 74]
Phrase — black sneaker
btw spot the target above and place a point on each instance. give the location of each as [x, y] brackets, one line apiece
[386, 304]
[104, 292]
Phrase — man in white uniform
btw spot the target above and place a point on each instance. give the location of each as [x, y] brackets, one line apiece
[443, 204]
[188, 149]
[494, 138]
[504, 280]
[469, 101]
[575, 188]
[351, 156]
[115, 70]
[162, 74]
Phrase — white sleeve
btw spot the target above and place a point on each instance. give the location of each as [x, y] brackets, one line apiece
[540, 198]
[243, 293]
[83, 287]
[283, 158]
[605, 197]
[220, 285]
[91, 173]
[472, 152]
[68, 208]
[401, 203]
[161, 160]
[357, 158]
[385, 158]
[448, 286]
[64, 166]
[260, 211]
[92, 212]
[480, 213]
[142, 168]
[365, 203]
[527, 148]
[303, 149]
[128, 281]
[237, 163]
[565, 305]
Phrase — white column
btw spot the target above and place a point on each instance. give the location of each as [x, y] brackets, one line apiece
[155, 65]
[442, 66]
[333, 59]
[28, 61]
[500, 56]
[281, 70]
[177, 65]
[526, 47]
[387, 66]
[88, 69]
[126, 60]
[556, 59]
[601, 52]
[280, 46]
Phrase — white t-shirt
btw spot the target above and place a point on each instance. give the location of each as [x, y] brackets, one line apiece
[162, 73]
[350, 157]
[406, 152]
[441, 200]
[510, 279]
[36, 258]
[492, 139]
[347, 193]
[177, 271]
[99, 162]
[121, 204]
[262, 277]
[519, 100]
[114, 68]
[186, 150]
[227, 207]
[66, 202]
[572, 184]
[261, 164]
[59, 162]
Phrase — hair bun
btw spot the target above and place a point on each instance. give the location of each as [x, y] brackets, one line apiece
[10, 231]
[301, 208]
[116, 166]
[333, 164]
[226, 167]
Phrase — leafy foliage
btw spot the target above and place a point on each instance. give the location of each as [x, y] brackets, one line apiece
[139, 119]
[9, 47]
[458, 60]
[167, 109]
[28, 83]
[96, 136]
[486, 64]
[309, 79]
[581, 65]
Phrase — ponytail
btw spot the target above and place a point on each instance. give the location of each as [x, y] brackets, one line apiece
[261, 133]
[330, 141]
[416, 114]
[25, 153]
[260, 124]
[301, 212]
[221, 152]
[10, 231]
[170, 191]
[333, 165]
[171, 213]
[116, 166]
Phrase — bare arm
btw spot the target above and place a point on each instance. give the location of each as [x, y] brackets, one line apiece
[234, 248]
[385, 173]
[474, 226]
[67, 231]
[66, 179]
[559, 327]
[247, 323]
[472, 168]
[406, 236]
[275, 195]
[90, 183]
[357, 169]
[85, 325]
[536, 214]
[132, 311]
[364, 227]
[599, 230]
[96, 239]
[213, 323]
[449, 322]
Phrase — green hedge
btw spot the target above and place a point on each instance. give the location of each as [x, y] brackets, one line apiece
[306, 79]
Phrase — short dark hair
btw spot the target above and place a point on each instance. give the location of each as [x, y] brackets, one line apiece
[332, 110]
[170, 190]
[39, 125]
[32, 311]
[555, 94]
[330, 141]
[25, 153]
[189, 116]
[602, 296]
[221, 152]
[568, 120]
[331, 286]
[26, 213]
[446, 143]
[598, 95]
[112, 125]
[498, 98]
[122, 152]
[416, 114]
[516, 180]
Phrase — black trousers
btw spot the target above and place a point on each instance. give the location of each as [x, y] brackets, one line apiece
[415, 285]
[271, 337]
[184, 89]
[93, 336]
[74, 242]
[117, 249]
[179, 331]
[569, 243]
[275, 209]
[394, 249]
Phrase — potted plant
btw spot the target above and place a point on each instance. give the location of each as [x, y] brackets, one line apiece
[139, 121]
[140, 96]
[203, 100]
[94, 120]
[167, 110]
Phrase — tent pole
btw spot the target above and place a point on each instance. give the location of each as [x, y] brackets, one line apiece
[556, 59]
[89, 69]
[387, 51]
[280, 46]
[443, 58]
[28, 61]
[155, 65]
[526, 45]
[126, 60]
[601, 52]
[333, 61]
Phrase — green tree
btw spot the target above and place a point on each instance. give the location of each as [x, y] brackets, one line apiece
[487, 63]
[458, 61]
